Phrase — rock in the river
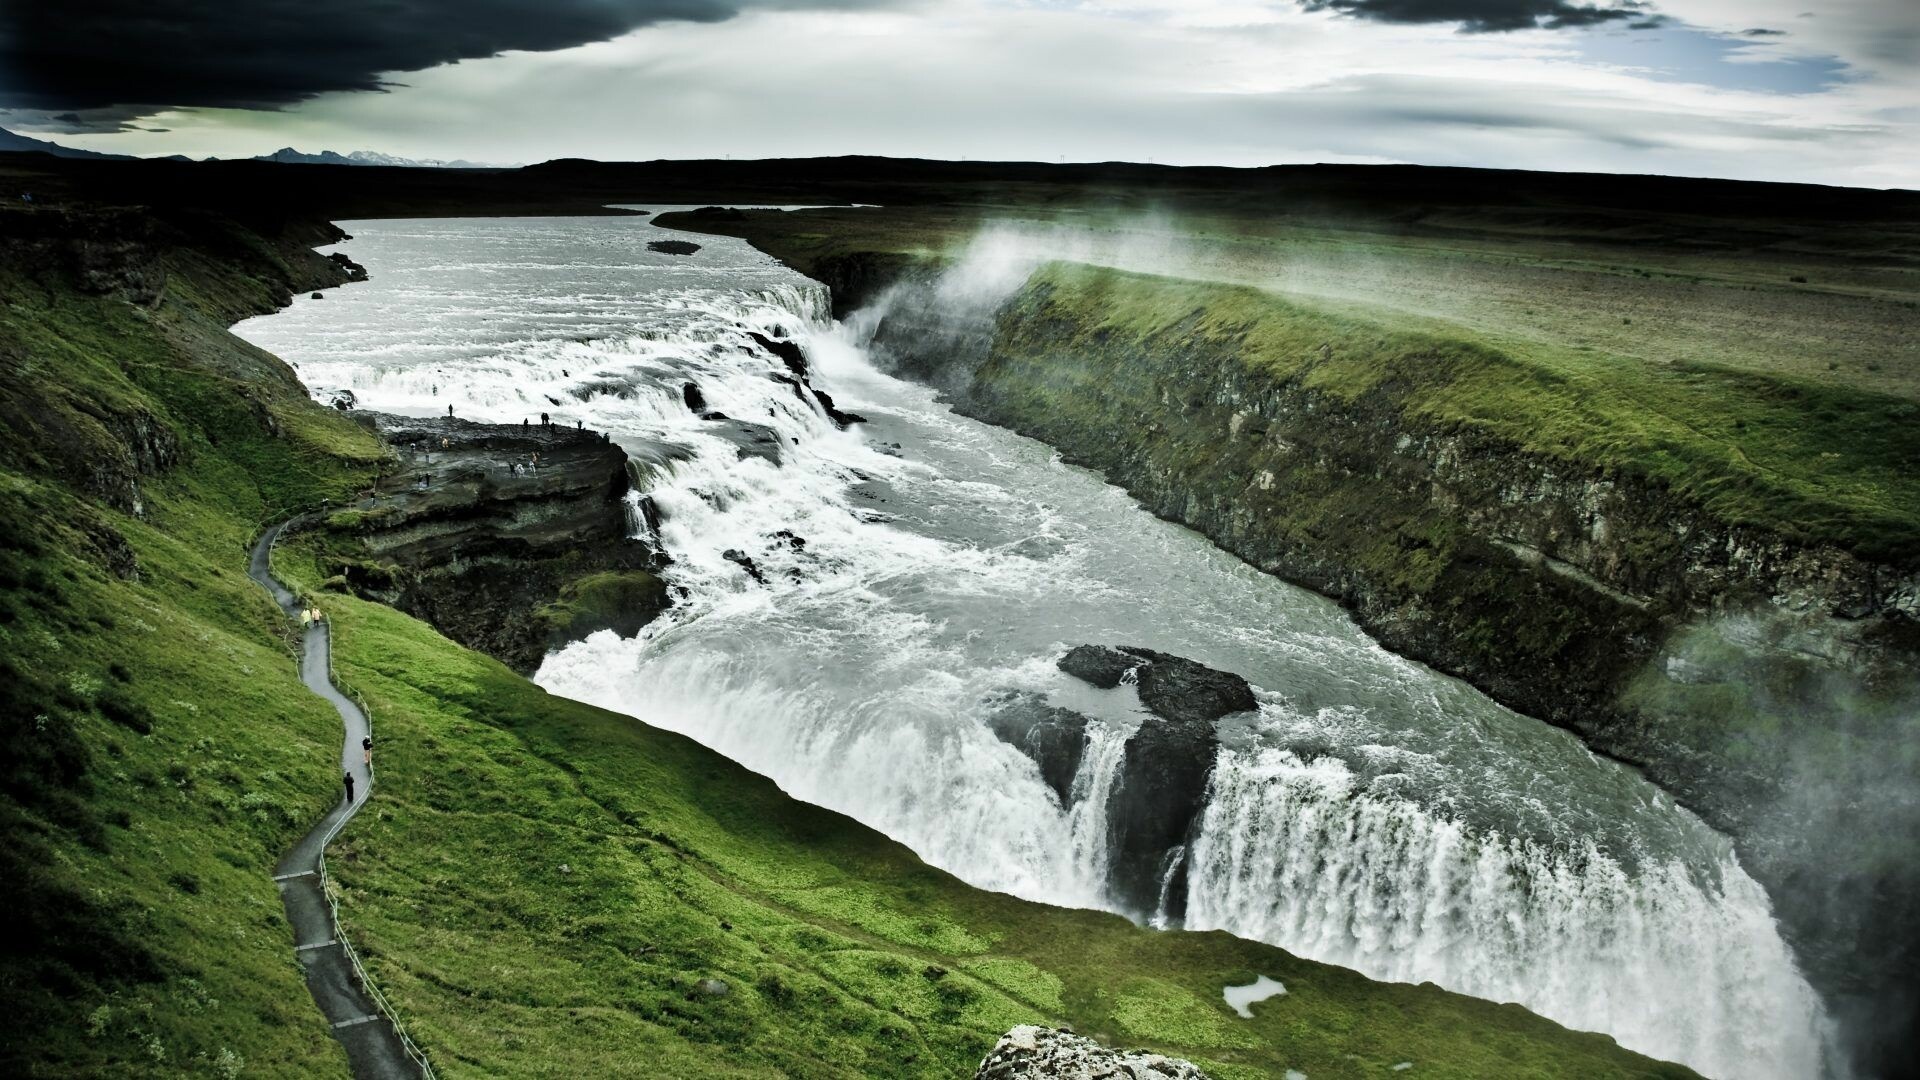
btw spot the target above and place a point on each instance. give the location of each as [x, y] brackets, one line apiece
[672, 247]
[1171, 687]
[353, 270]
[745, 562]
[840, 417]
[1101, 665]
[1180, 690]
[696, 401]
[1036, 1053]
[1056, 739]
[788, 352]
[1167, 766]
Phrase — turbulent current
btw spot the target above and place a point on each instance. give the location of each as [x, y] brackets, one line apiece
[914, 570]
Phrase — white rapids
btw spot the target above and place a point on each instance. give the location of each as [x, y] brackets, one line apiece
[1371, 814]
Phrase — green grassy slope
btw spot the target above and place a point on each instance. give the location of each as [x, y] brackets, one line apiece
[162, 754]
[543, 885]
[1812, 462]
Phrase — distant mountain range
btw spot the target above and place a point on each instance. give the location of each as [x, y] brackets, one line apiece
[287, 155]
[10, 141]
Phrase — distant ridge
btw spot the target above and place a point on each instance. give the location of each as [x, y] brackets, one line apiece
[10, 141]
[287, 155]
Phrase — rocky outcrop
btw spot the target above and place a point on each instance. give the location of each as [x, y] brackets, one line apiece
[795, 358]
[1029, 1052]
[510, 538]
[672, 247]
[1055, 738]
[789, 353]
[1161, 790]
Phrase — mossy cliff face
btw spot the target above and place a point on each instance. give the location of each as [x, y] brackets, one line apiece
[1763, 676]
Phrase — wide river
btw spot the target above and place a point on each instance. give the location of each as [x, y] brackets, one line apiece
[1372, 814]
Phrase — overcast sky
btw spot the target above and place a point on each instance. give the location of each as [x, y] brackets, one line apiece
[1821, 90]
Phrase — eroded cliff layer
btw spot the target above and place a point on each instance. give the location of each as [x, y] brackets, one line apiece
[510, 538]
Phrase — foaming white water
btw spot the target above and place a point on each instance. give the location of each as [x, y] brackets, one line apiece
[851, 614]
[1292, 853]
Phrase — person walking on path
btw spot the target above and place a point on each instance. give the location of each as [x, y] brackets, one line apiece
[347, 778]
[366, 752]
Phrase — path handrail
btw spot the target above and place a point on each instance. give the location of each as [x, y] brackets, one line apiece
[413, 1049]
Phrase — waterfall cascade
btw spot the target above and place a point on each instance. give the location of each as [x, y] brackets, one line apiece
[856, 603]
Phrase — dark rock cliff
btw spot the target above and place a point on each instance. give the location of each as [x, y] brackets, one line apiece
[511, 539]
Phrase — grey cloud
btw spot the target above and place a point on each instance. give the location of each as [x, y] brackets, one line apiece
[1761, 31]
[1489, 16]
[120, 58]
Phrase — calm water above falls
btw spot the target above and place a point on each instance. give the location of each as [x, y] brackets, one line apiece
[1371, 814]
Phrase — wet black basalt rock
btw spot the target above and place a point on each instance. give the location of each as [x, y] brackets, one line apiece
[1154, 810]
[789, 353]
[696, 401]
[1101, 665]
[1171, 687]
[1168, 764]
[353, 270]
[1181, 691]
[840, 417]
[672, 247]
[745, 562]
[1055, 738]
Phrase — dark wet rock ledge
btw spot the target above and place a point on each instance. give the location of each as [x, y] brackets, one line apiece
[1154, 806]
[511, 539]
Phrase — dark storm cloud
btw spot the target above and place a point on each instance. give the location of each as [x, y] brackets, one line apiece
[1488, 16]
[116, 54]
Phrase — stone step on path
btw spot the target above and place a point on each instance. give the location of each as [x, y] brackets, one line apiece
[375, 1048]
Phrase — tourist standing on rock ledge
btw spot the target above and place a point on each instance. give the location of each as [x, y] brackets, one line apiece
[449, 412]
